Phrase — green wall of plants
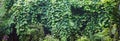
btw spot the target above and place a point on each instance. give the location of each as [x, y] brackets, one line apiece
[60, 20]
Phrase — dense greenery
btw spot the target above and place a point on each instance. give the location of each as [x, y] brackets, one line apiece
[60, 20]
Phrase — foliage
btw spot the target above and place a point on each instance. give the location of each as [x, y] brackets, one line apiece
[83, 38]
[23, 15]
[67, 20]
[50, 38]
[84, 19]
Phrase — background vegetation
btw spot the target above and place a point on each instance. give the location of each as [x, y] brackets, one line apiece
[59, 20]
